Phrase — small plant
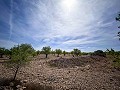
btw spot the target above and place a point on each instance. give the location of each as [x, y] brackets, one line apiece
[46, 50]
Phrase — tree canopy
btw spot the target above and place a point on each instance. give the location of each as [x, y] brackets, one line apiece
[20, 55]
[58, 51]
[76, 52]
[118, 19]
[46, 50]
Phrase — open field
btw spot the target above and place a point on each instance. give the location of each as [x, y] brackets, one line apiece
[66, 73]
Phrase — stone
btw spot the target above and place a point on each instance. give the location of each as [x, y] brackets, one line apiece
[87, 67]
[18, 86]
[23, 87]
[24, 81]
[11, 84]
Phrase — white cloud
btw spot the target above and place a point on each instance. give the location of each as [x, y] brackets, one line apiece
[50, 20]
[7, 44]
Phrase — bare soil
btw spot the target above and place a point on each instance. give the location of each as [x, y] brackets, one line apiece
[66, 73]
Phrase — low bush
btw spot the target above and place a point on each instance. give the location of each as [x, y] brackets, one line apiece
[99, 53]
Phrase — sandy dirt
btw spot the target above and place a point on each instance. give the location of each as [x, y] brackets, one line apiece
[95, 73]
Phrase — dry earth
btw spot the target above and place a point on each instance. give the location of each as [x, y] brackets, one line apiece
[67, 73]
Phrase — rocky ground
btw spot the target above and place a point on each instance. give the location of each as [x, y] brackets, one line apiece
[65, 73]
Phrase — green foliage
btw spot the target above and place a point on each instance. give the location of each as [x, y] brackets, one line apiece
[21, 53]
[76, 52]
[38, 52]
[34, 53]
[7, 52]
[46, 50]
[20, 56]
[110, 52]
[53, 52]
[58, 51]
[84, 53]
[72, 52]
[64, 52]
[118, 19]
[116, 63]
[4, 51]
[116, 57]
[99, 53]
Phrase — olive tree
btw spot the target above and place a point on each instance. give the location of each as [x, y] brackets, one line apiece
[2, 50]
[64, 52]
[20, 55]
[58, 51]
[46, 50]
[72, 52]
[53, 52]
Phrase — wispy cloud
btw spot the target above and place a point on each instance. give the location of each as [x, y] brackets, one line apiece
[11, 16]
[51, 22]
[7, 44]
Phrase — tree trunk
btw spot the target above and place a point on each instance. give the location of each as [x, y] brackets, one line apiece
[1, 55]
[16, 73]
[46, 55]
[58, 55]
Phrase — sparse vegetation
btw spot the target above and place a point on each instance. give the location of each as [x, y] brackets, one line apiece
[115, 55]
[59, 70]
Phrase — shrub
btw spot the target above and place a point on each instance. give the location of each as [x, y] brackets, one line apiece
[99, 53]
[76, 52]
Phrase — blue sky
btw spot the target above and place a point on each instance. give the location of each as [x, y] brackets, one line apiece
[88, 25]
